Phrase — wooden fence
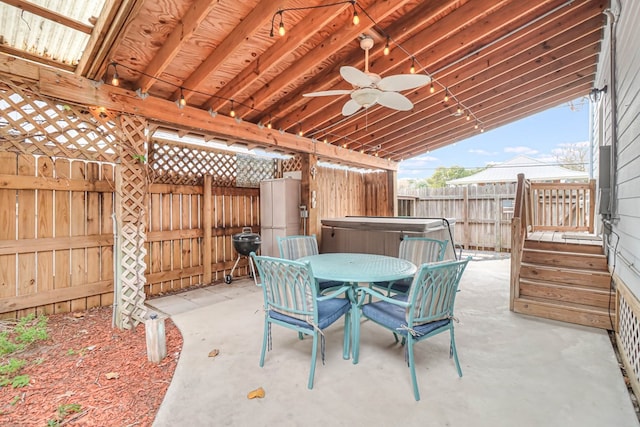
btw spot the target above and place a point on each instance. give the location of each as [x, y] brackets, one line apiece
[482, 213]
[62, 188]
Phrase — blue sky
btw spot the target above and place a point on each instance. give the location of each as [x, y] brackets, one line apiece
[536, 136]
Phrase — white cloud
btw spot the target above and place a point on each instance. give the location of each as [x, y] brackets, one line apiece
[520, 150]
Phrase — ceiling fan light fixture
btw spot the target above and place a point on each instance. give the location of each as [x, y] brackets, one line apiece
[366, 96]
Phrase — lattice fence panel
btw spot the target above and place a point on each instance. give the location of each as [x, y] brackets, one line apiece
[291, 165]
[251, 170]
[135, 184]
[135, 171]
[629, 335]
[33, 124]
[186, 165]
[131, 294]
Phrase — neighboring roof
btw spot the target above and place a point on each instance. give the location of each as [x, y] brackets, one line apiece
[534, 170]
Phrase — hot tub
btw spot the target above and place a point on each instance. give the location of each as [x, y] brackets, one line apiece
[382, 235]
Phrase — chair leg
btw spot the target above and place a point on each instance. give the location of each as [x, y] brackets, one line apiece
[412, 368]
[454, 352]
[300, 336]
[314, 352]
[265, 338]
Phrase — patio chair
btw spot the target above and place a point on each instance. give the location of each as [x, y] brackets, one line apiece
[294, 247]
[426, 311]
[291, 300]
[418, 250]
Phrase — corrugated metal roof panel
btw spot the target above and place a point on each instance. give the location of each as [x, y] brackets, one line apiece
[36, 35]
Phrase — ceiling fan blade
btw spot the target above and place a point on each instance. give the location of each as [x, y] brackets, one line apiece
[395, 100]
[401, 82]
[328, 93]
[355, 76]
[350, 107]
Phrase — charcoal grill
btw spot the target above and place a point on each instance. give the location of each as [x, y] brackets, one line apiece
[244, 243]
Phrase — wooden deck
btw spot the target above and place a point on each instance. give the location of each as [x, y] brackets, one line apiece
[576, 238]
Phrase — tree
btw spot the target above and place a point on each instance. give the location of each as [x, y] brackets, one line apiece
[572, 156]
[442, 175]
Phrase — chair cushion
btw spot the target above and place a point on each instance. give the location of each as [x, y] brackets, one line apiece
[328, 312]
[399, 286]
[326, 284]
[392, 317]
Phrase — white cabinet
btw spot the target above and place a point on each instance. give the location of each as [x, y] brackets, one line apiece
[279, 212]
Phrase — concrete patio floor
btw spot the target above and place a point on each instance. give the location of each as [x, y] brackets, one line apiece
[518, 370]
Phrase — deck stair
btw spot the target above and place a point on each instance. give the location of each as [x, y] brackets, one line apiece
[563, 281]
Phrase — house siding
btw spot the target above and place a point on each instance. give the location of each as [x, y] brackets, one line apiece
[624, 239]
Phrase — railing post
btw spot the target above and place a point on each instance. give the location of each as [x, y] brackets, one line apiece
[516, 258]
[592, 205]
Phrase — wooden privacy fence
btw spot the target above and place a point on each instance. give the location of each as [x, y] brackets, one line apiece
[482, 213]
[56, 233]
[94, 210]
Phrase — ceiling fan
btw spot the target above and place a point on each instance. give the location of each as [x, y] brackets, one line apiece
[370, 89]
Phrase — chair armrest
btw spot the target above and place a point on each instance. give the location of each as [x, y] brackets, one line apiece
[339, 291]
[363, 291]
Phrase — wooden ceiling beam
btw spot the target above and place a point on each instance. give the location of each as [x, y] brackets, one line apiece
[259, 16]
[51, 15]
[107, 35]
[449, 51]
[509, 92]
[541, 60]
[503, 109]
[68, 87]
[9, 50]
[273, 56]
[296, 109]
[332, 44]
[500, 118]
[181, 34]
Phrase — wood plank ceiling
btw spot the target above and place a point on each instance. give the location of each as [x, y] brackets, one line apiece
[497, 60]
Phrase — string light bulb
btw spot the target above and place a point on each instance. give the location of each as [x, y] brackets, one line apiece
[115, 80]
[269, 124]
[432, 89]
[232, 113]
[412, 70]
[356, 18]
[468, 116]
[446, 95]
[300, 133]
[181, 102]
[459, 110]
[386, 48]
[281, 29]
[476, 126]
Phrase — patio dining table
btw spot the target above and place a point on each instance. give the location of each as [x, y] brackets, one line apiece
[357, 268]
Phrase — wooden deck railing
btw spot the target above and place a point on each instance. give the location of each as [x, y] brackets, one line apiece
[563, 207]
[547, 206]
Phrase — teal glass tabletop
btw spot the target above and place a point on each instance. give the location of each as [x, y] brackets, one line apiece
[355, 267]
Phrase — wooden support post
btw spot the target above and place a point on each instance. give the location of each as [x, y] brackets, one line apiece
[309, 194]
[392, 191]
[592, 205]
[516, 257]
[465, 217]
[207, 219]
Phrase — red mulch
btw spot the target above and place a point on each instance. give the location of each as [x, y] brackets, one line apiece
[70, 369]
